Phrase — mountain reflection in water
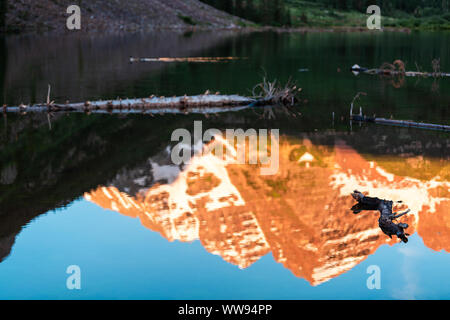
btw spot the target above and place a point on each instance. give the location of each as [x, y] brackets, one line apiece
[301, 215]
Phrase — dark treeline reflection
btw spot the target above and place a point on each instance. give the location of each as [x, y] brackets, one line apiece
[3, 9]
[91, 67]
[3, 65]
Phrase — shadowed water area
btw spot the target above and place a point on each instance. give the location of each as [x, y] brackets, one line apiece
[100, 191]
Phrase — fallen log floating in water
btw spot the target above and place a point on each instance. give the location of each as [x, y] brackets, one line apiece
[151, 104]
[390, 70]
[400, 123]
[266, 93]
[188, 59]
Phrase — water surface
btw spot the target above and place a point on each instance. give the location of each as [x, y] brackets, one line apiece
[100, 191]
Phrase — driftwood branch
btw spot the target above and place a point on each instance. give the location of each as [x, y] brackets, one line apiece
[385, 221]
[187, 59]
[399, 123]
[270, 94]
[398, 68]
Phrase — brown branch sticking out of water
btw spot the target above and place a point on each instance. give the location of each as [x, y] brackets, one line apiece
[396, 66]
[269, 94]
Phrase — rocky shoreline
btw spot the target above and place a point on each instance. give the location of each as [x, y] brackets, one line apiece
[106, 17]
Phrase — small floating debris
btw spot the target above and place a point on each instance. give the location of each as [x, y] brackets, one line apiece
[303, 70]
[188, 59]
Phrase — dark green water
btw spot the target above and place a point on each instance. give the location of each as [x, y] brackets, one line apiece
[96, 67]
[55, 212]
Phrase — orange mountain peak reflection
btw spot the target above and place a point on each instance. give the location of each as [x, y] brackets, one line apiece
[301, 215]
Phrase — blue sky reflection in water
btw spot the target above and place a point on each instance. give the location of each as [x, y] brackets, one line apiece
[121, 259]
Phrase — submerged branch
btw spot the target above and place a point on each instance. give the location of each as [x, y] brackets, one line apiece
[401, 123]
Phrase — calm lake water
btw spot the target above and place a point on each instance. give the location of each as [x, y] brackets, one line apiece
[100, 191]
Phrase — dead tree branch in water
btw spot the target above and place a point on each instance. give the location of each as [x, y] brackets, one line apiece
[385, 222]
[269, 93]
[354, 99]
[275, 94]
[399, 123]
[397, 68]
